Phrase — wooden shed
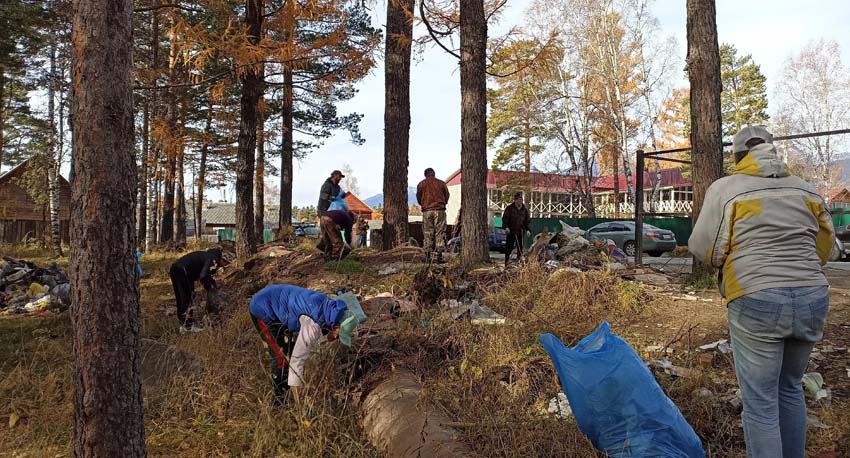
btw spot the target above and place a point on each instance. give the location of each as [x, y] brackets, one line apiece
[20, 217]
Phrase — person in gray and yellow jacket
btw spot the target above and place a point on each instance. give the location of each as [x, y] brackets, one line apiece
[770, 234]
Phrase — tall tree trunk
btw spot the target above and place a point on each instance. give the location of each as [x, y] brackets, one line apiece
[286, 153]
[286, 145]
[153, 174]
[52, 162]
[105, 313]
[706, 124]
[2, 113]
[252, 90]
[180, 180]
[473, 153]
[259, 179]
[202, 173]
[166, 228]
[397, 120]
[616, 173]
[142, 213]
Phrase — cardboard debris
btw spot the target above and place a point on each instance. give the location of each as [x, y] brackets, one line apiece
[652, 279]
[477, 313]
[721, 345]
[666, 366]
[559, 406]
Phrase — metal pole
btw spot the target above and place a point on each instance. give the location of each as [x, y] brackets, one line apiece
[639, 209]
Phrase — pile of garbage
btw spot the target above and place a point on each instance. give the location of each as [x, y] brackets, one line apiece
[26, 288]
[570, 248]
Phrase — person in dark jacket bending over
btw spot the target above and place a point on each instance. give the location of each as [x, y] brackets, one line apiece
[197, 265]
[330, 189]
[291, 320]
[515, 221]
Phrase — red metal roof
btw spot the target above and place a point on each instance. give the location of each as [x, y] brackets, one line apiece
[669, 178]
[551, 182]
[543, 182]
[356, 206]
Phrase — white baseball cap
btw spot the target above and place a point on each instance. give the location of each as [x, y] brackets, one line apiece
[739, 141]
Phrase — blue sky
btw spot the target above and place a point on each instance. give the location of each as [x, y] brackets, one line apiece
[770, 30]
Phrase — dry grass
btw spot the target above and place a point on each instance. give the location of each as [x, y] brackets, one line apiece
[495, 382]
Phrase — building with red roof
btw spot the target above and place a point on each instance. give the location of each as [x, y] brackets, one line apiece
[552, 195]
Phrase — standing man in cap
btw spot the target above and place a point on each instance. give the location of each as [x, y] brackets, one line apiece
[330, 190]
[770, 234]
[515, 221]
[292, 320]
[433, 195]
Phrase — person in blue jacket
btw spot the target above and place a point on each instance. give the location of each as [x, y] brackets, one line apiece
[291, 320]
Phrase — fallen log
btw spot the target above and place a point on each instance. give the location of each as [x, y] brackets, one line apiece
[401, 425]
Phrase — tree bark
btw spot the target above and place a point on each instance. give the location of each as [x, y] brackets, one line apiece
[202, 173]
[2, 113]
[105, 313]
[252, 90]
[706, 125]
[52, 162]
[473, 154]
[286, 153]
[166, 228]
[259, 180]
[153, 173]
[180, 194]
[397, 120]
[142, 213]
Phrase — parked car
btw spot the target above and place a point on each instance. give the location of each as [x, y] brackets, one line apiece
[497, 240]
[655, 241]
[842, 244]
[306, 230]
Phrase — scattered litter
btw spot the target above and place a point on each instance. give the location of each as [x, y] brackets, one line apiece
[817, 356]
[616, 266]
[688, 297]
[27, 288]
[813, 383]
[652, 279]
[13, 420]
[703, 393]
[553, 264]
[665, 365]
[389, 270]
[560, 406]
[658, 348]
[721, 345]
[478, 314]
[814, 422]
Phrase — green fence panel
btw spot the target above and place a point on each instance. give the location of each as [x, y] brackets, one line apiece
[227, 235]
[268, 235]
[840, 218]
[680, 226]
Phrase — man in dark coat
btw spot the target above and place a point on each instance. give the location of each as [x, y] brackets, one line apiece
[195, 266]
[330, 189]
[515, 221]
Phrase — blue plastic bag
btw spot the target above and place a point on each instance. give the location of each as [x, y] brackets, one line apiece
[338, 203]
[616, 401]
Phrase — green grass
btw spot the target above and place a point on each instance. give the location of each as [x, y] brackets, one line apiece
[701, 281]
[345, 266]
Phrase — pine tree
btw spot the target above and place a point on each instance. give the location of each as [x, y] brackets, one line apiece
[743, 100]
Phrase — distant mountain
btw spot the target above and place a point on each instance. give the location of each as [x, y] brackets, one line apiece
[378, 199]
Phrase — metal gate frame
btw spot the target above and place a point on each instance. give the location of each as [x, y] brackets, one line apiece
[640, 166]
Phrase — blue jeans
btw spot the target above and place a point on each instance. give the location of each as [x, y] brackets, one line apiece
[773, 332]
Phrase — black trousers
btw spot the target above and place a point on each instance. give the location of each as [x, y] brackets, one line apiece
[514, 240]
[184, 290]
[280, 342]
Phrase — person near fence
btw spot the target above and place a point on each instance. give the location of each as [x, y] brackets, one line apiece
[433, 196]
[362, 230]
[291, 320]
[515, 221]
[770, 234]
[195, 266]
